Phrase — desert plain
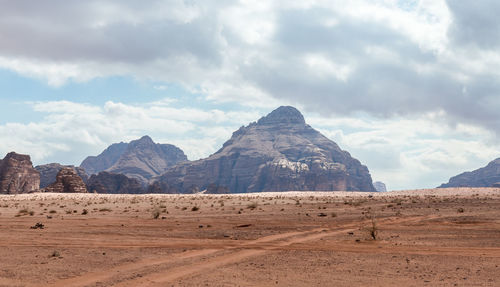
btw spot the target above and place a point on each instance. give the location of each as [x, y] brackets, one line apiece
[433, 237]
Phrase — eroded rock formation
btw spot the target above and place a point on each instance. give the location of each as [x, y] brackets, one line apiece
[48, 173]
[67, 181]
[17, 174]
[380, 186]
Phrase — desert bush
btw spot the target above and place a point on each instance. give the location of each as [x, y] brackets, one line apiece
[156, 213]
[195, 208]
[85, 212]
[252, 205]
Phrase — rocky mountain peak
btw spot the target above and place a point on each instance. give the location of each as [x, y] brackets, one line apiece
[278, 153]
[283, 115]
[140, 159]
[144, 141]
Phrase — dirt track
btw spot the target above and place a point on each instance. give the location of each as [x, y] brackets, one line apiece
[434, 238]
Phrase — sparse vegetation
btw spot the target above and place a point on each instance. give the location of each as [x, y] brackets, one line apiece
[156, 213]
[252, 205]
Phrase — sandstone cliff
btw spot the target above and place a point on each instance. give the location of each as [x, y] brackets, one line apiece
[48, 173]
[67, 181]
[17, 175]
[140, 159]
[483, 177]
[280, 152]
[106, 182]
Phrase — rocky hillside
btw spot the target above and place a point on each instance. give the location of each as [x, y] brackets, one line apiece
[280, 152]
[17, 174]
[106, 182]
[48, 173]
[140, 159]
[483, 177]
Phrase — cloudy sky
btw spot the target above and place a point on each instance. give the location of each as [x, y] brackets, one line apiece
[410, 88]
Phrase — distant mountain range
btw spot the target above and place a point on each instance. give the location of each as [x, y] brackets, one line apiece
[279, 152]
[487, 176]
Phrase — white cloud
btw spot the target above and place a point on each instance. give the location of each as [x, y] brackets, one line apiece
[422, 152]
[71, 131]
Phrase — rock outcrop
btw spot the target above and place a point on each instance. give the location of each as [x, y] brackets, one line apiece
[17, 175]
[67, 181]
[280, 152]
[140, 159]
[483, 177]
[106, 182]
[380, 186]
[48, 173]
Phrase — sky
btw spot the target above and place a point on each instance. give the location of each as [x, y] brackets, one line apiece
[410, 88]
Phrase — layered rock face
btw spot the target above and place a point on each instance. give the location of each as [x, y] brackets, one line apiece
[280, 152]
[17, 175]
[140, 159]
[67, 181]
[483, 177]
[380, 186]
[48, 173]
[106, 182]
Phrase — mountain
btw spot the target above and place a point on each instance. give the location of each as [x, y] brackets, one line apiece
[95, 164]
[140, 159]
[280, 152]
[483, 177]
[106, 182]
[380, 186]
[17, 174]
[48, 173]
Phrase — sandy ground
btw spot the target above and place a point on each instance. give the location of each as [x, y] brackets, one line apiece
[447, 237]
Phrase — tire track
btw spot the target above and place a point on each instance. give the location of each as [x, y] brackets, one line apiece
[238, 253]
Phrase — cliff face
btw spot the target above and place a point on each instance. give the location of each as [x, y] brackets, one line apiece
[483, 177]
[280, 152]
[67, 181]
[48, 173]
[140, 159]
[106, 182]
[17, 175]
